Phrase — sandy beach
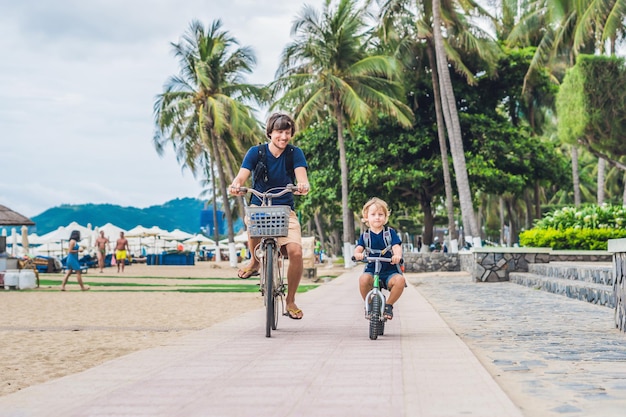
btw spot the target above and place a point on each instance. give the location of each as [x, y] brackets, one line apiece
[46, 334]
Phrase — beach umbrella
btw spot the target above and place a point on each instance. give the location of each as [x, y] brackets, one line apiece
[199, 239]
[56, 235]
[49, 248]
[112, 231]
[138, 231]
[84, 231]
[34, 239]
[242, 237]
[177, 234]
[25, 239]
[13, 241]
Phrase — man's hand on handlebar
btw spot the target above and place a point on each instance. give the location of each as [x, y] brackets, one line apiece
[235, 189]
[302, 188]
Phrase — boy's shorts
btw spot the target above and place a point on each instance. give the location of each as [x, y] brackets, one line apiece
[384, 277]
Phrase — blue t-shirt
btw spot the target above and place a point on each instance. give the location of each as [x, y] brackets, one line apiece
[377, 242]
[276, 172]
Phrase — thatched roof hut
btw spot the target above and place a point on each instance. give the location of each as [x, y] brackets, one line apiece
[9, 217]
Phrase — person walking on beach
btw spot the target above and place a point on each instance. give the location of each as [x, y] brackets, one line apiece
[121, 252]
[281, 164]
[380, 240]
[102, 245]
[72, 263]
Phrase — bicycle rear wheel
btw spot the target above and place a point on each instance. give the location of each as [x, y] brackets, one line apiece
[375, 317]
[269, 289]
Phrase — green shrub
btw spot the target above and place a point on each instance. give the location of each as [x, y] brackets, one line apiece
[570, 238]
[583, 228]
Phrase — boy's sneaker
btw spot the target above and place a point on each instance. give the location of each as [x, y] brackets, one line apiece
[368, 311]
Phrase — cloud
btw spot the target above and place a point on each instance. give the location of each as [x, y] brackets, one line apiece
[78, 80]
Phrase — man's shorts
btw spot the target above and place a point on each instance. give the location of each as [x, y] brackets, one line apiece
[120, 254]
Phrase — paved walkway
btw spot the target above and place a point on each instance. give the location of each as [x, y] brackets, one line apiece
[554, 356]
[324, 365]
[551, 355]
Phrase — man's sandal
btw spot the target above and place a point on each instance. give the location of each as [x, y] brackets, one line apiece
[294, 313]
[247, 273]
[388, 311]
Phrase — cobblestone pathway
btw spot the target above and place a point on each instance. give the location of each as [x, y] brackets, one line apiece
[552, 355]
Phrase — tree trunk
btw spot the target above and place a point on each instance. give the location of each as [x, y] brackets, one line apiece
[229, 215]
[347, 215]
[537, 200]
[451, 116]
[429, 223]
[216, 233]
[624, 194]
[575, 176]
[601, 172]
[240, 205]
[320, 228]
[504, 236]
[512, 223]
[447, 179]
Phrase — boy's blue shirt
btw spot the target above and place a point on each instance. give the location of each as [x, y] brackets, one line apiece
[378, 242]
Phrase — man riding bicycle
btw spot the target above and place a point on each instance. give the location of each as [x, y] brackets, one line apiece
[276, 164]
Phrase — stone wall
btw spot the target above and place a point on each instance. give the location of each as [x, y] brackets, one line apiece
[618, 248]
[431, 262]
[493, 264]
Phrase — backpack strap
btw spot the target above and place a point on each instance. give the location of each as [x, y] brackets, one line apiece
[289, 163]
[368, 242]
[261, 172]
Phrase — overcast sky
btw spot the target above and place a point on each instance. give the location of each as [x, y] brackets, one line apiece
[78, 79]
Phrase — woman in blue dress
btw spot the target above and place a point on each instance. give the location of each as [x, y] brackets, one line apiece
[72, 261]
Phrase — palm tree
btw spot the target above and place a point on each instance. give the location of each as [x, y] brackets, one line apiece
[453, 127]
[406, 27]
[327, 72]
[566, 28]
[203, 110]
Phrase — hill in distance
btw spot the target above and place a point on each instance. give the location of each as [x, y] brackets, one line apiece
[181, 213]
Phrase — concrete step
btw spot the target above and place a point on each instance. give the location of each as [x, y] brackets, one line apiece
[591, 292]
[592, 272]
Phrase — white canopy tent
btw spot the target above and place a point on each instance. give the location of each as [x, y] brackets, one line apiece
[199, 239]
[177, 234]
[111, 231]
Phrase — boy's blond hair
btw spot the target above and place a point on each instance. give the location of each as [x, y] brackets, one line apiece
[375, 201]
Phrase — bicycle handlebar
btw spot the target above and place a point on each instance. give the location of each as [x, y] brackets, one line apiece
[289, 188]
[369, 259]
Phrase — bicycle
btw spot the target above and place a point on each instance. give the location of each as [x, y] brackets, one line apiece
[269, 223]
[375, 299]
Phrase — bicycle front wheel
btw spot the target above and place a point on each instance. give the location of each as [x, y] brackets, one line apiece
[269, 289]
[375, 317]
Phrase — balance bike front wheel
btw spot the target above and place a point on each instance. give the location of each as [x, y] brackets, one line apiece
[375, 318]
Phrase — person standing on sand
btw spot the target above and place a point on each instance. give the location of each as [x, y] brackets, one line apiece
[102, 245]
[72, 261]
[121, 252]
